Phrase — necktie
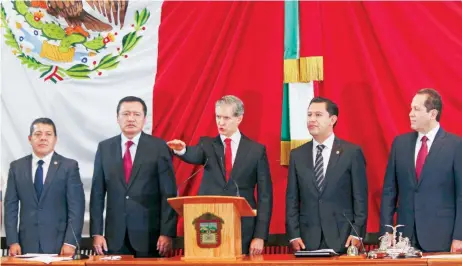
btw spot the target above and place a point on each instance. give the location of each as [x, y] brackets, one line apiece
[228, 158]
[423, 152]
[319, 167]
[38, 180]
[128, 164]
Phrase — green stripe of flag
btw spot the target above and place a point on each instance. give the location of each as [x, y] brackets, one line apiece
[291, 30]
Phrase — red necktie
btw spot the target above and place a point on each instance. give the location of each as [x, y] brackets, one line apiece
[228, 158]
[423, 152]
[128, 164]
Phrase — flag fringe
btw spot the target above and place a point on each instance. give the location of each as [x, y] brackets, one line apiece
[305, 69]
[287, 146]
[311, 68]
[291, 70]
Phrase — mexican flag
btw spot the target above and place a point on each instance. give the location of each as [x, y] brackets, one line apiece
[74, 74]
[301, 77]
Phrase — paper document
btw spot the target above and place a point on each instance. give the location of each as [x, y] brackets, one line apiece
[48, 260]
[319, 251]
[111, 258]
[33, 255]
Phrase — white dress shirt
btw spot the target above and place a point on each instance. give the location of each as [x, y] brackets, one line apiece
[235, 139]
[46, 164]
[328, 143]
[431, 137]
[134, 146]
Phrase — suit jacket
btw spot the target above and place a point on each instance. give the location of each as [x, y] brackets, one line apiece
[44, 221]
[434, 203]
[310, 212]
[140, 207]
[250, 170]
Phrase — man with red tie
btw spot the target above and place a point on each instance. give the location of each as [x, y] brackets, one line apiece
[134, 171]
[234, 165]
[423, 180]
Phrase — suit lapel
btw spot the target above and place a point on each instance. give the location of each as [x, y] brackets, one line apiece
[219, 152]
[140, 150]
[335, 154]
[411, 157]
[241, 154]
[29, 178]
[437, 144]
[116, 150]
[55, 163]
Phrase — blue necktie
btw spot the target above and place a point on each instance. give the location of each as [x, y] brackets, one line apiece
[38, 181]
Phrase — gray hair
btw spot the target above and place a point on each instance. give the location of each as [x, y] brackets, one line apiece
[231, 99]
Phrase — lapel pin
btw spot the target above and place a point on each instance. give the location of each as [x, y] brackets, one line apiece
[55, 162]
[338, 152]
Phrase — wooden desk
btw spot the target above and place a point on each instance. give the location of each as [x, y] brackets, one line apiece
[443, 262]
[280, 260]
[10, 261]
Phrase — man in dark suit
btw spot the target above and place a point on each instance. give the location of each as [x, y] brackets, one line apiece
[423, 180]
[234, 163]
[327, 186]
[134, 170]
[47, 188]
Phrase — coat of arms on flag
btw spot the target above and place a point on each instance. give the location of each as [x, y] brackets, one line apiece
[71, 39]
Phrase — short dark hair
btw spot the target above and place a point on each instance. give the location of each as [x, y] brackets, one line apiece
[132, 99]
[433, 101]
[331, 107]
[42, 120]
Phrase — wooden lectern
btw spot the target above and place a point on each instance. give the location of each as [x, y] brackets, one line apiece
[212, 226]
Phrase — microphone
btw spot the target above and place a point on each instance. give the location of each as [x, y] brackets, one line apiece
[77, 255]
[354, 229]
[237, 187]
[187, 179]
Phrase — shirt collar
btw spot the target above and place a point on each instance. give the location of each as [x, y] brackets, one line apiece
[236, 137]
[328, 143]
[46, 160]
[430, 135]
[135, 139]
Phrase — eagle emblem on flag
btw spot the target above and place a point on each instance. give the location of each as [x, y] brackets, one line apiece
[71, 39]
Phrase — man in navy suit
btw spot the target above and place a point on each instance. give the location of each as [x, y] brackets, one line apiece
[423, 180]
[48, 189]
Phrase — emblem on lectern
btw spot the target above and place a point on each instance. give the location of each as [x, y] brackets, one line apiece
[208, 230]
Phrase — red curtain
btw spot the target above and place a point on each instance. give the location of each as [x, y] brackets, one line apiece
[376, 56]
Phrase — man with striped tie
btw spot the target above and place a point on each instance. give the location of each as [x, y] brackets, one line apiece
[326, 187]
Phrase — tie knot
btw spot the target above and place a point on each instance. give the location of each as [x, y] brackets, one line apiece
[320, 147]
[40, 162]
[227, 141]
[424, 139]
[129, 144]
